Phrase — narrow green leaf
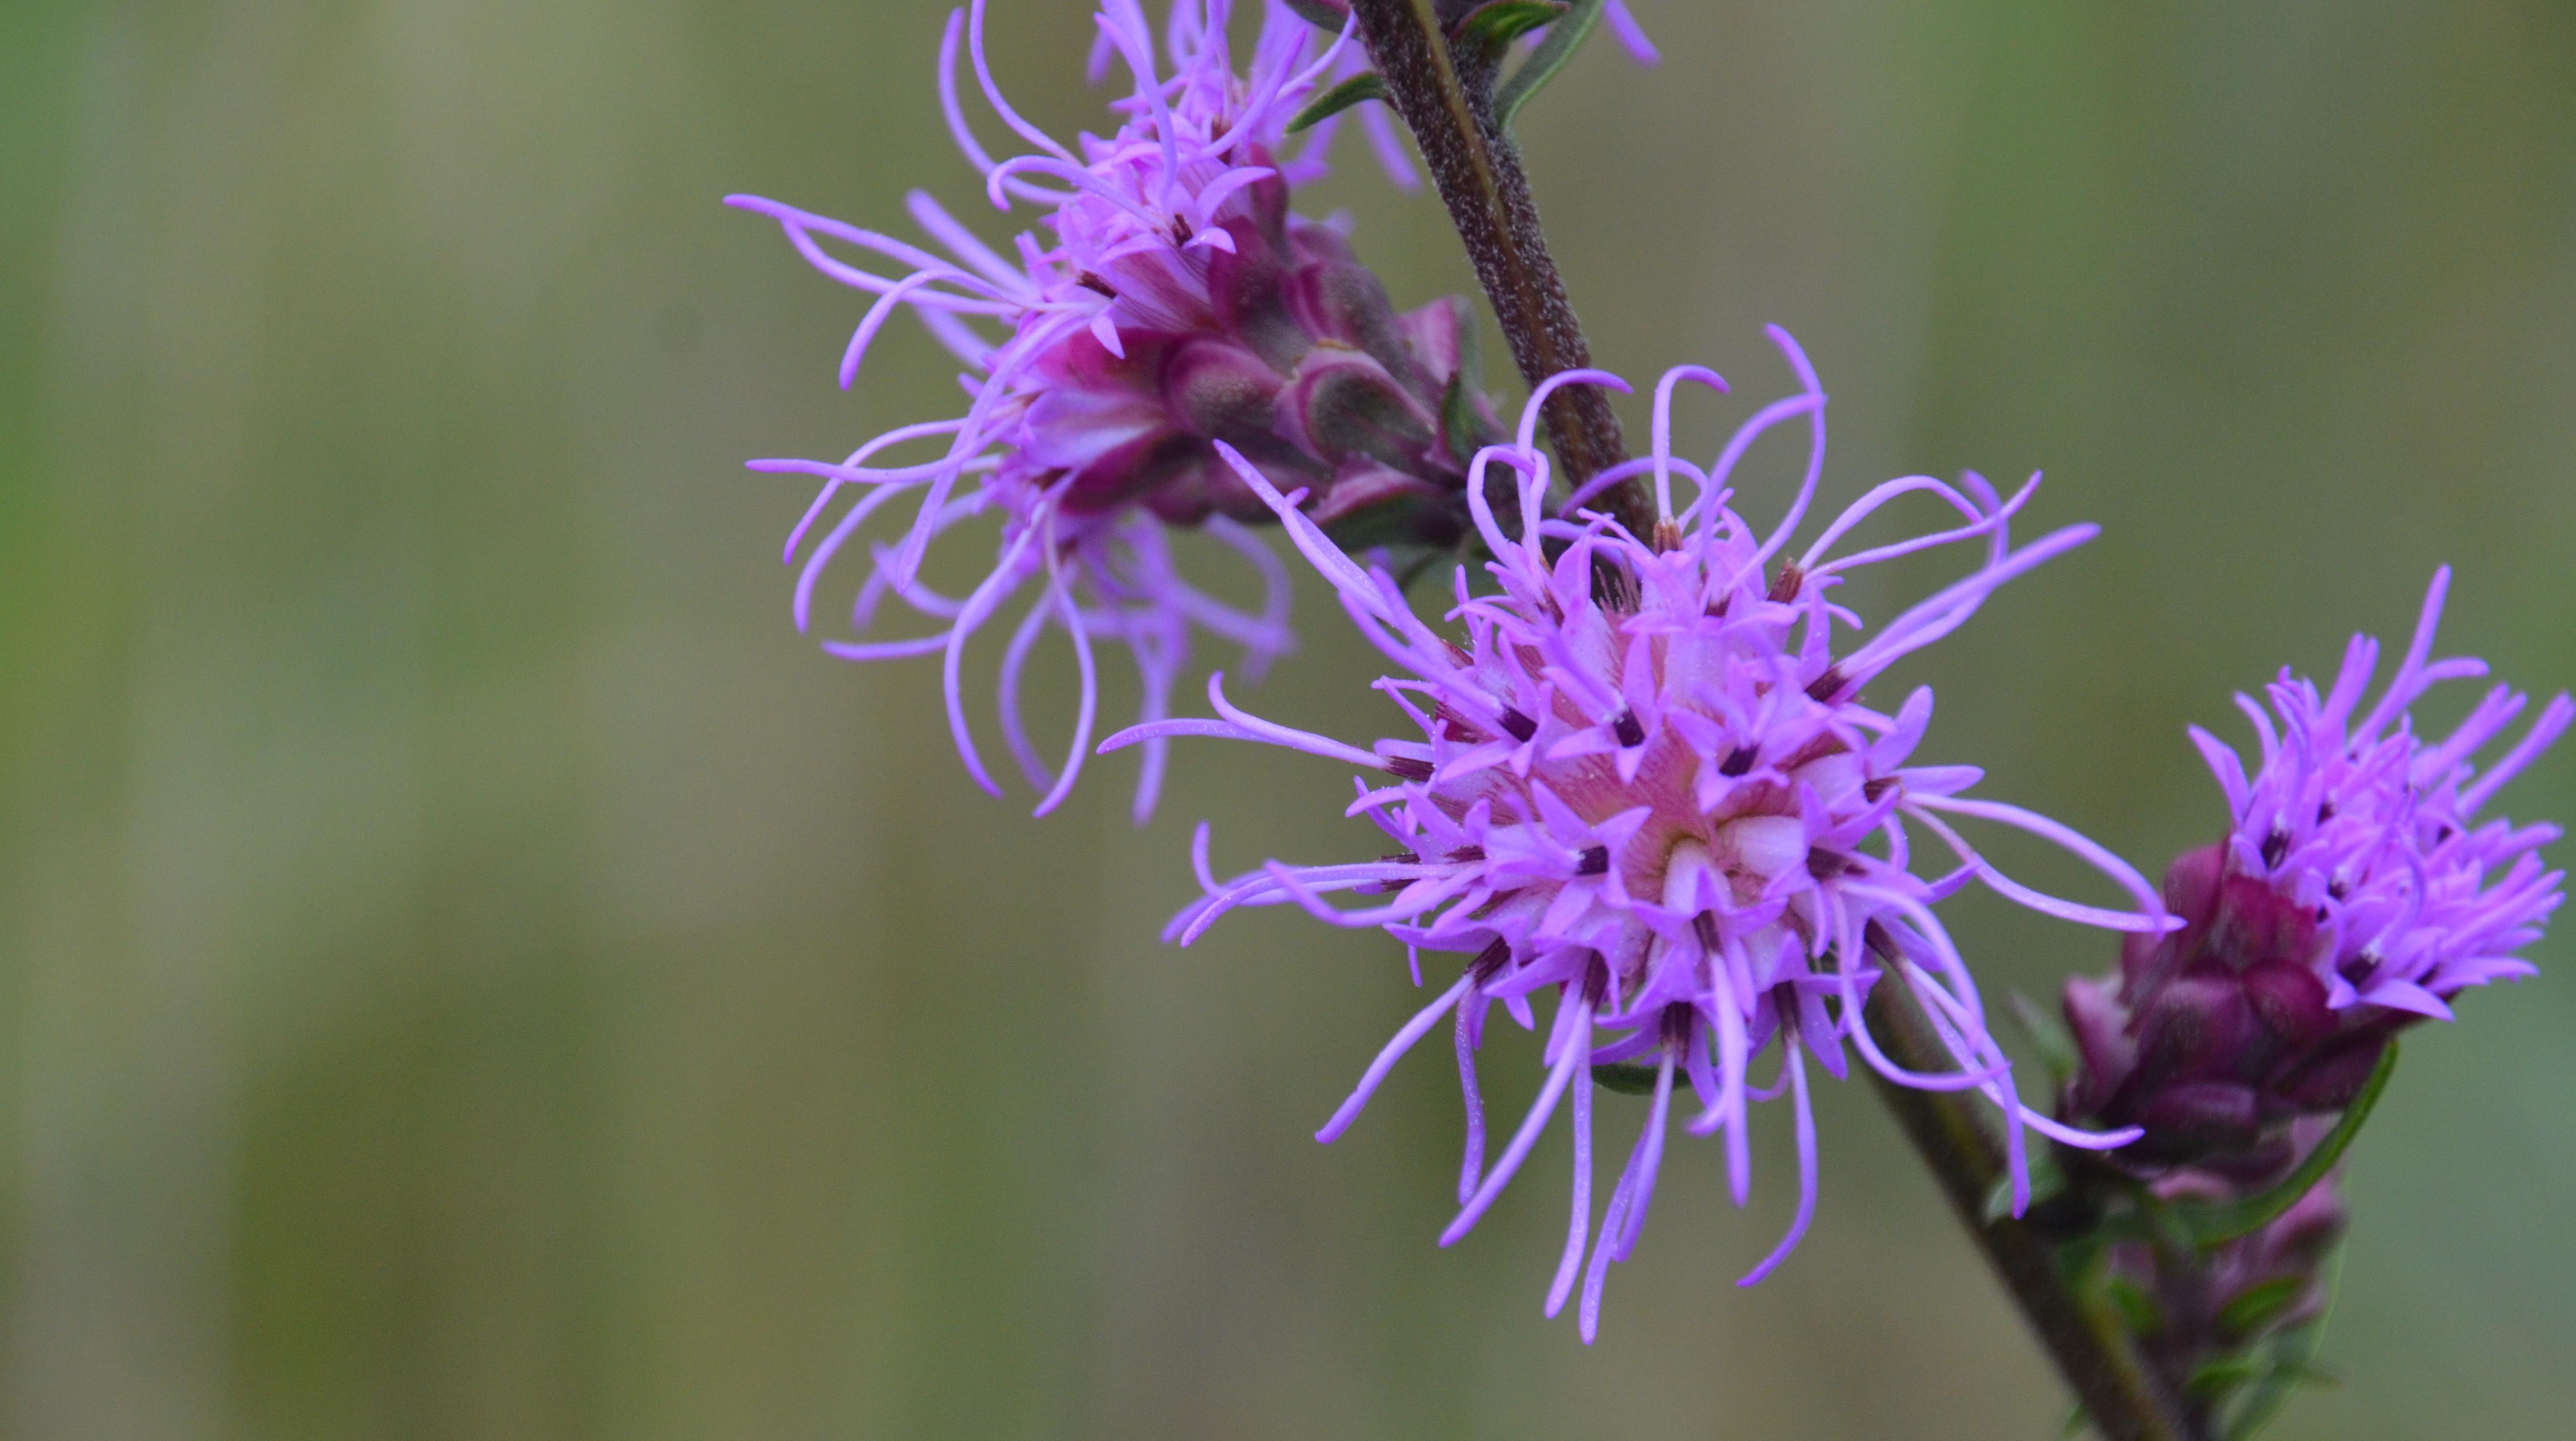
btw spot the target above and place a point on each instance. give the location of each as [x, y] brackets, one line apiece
[1338, 99]
[1497, 23]
[2214, 1225]
[2047, 1182]
[2216, 1378]
[1460, 424]
[1411, 570]
[1320, 15]
[2297, 1350]
[2138, 1310]
[1626, 1079]
[2261, 1304]
[1562, 41]
[2271, 1385]
[1391, 523]
[2048, 1035]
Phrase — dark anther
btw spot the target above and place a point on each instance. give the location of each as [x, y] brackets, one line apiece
[1881, 944]
[1627, 729]
[1594, 862]
[2441, 835]
[1876, 787]
[1825, 687]
[1452, 725]
[1704, 926]
[1737, 762]
[2337, 889]
[1717, 609]
[1785, 588]
[1089, 281]
[2325, 811]
[1408, 769]
[1490, 959]
[1521, 726]
[1676, 1024]
[2275, 846]
[1824, 865]
[1467, 854]
[1402, 858]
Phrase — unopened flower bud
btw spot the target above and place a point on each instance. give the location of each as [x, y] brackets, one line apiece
[2358, 891]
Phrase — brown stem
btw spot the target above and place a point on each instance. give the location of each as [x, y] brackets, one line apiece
[2118, 1388]
[1478, 172]
[1448, 106]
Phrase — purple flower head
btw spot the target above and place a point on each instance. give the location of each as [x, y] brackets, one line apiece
[1179, 303]
[1644, 779]
[2357, 892]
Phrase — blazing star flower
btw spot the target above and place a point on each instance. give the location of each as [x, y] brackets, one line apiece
[1180, 303]
[1645, 780]
[2358, 891]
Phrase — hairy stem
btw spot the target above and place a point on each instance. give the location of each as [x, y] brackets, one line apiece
[1447, 101]
[2119, 1390]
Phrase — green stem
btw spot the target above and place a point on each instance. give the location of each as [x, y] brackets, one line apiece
[1448, 102]
[2119, 1389]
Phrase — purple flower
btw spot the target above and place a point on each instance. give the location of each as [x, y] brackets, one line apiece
[1178, 304]
[1631, 34]
[1645, 781]
[2358, 891]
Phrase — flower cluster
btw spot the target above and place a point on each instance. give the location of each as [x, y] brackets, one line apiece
[2358, 891]
[1638, 786]
[1179, 304]
[1645, 781]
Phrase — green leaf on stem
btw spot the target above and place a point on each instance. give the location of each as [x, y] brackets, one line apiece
[2270, 1392]
[2297, 1349]
[2048, 1035]
[1359, 88]
[1321, 15]
[1461, 426]
[2261, 1304]
[2138, 1310]
[1491, 27]
[1550, 57]
[2047, 1183]
[1626, 1079]
[2209, 1226]
[2214, 1379]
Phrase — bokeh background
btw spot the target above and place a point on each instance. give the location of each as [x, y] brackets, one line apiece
[470, 970]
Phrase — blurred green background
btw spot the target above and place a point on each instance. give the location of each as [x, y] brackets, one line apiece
[471, 970]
